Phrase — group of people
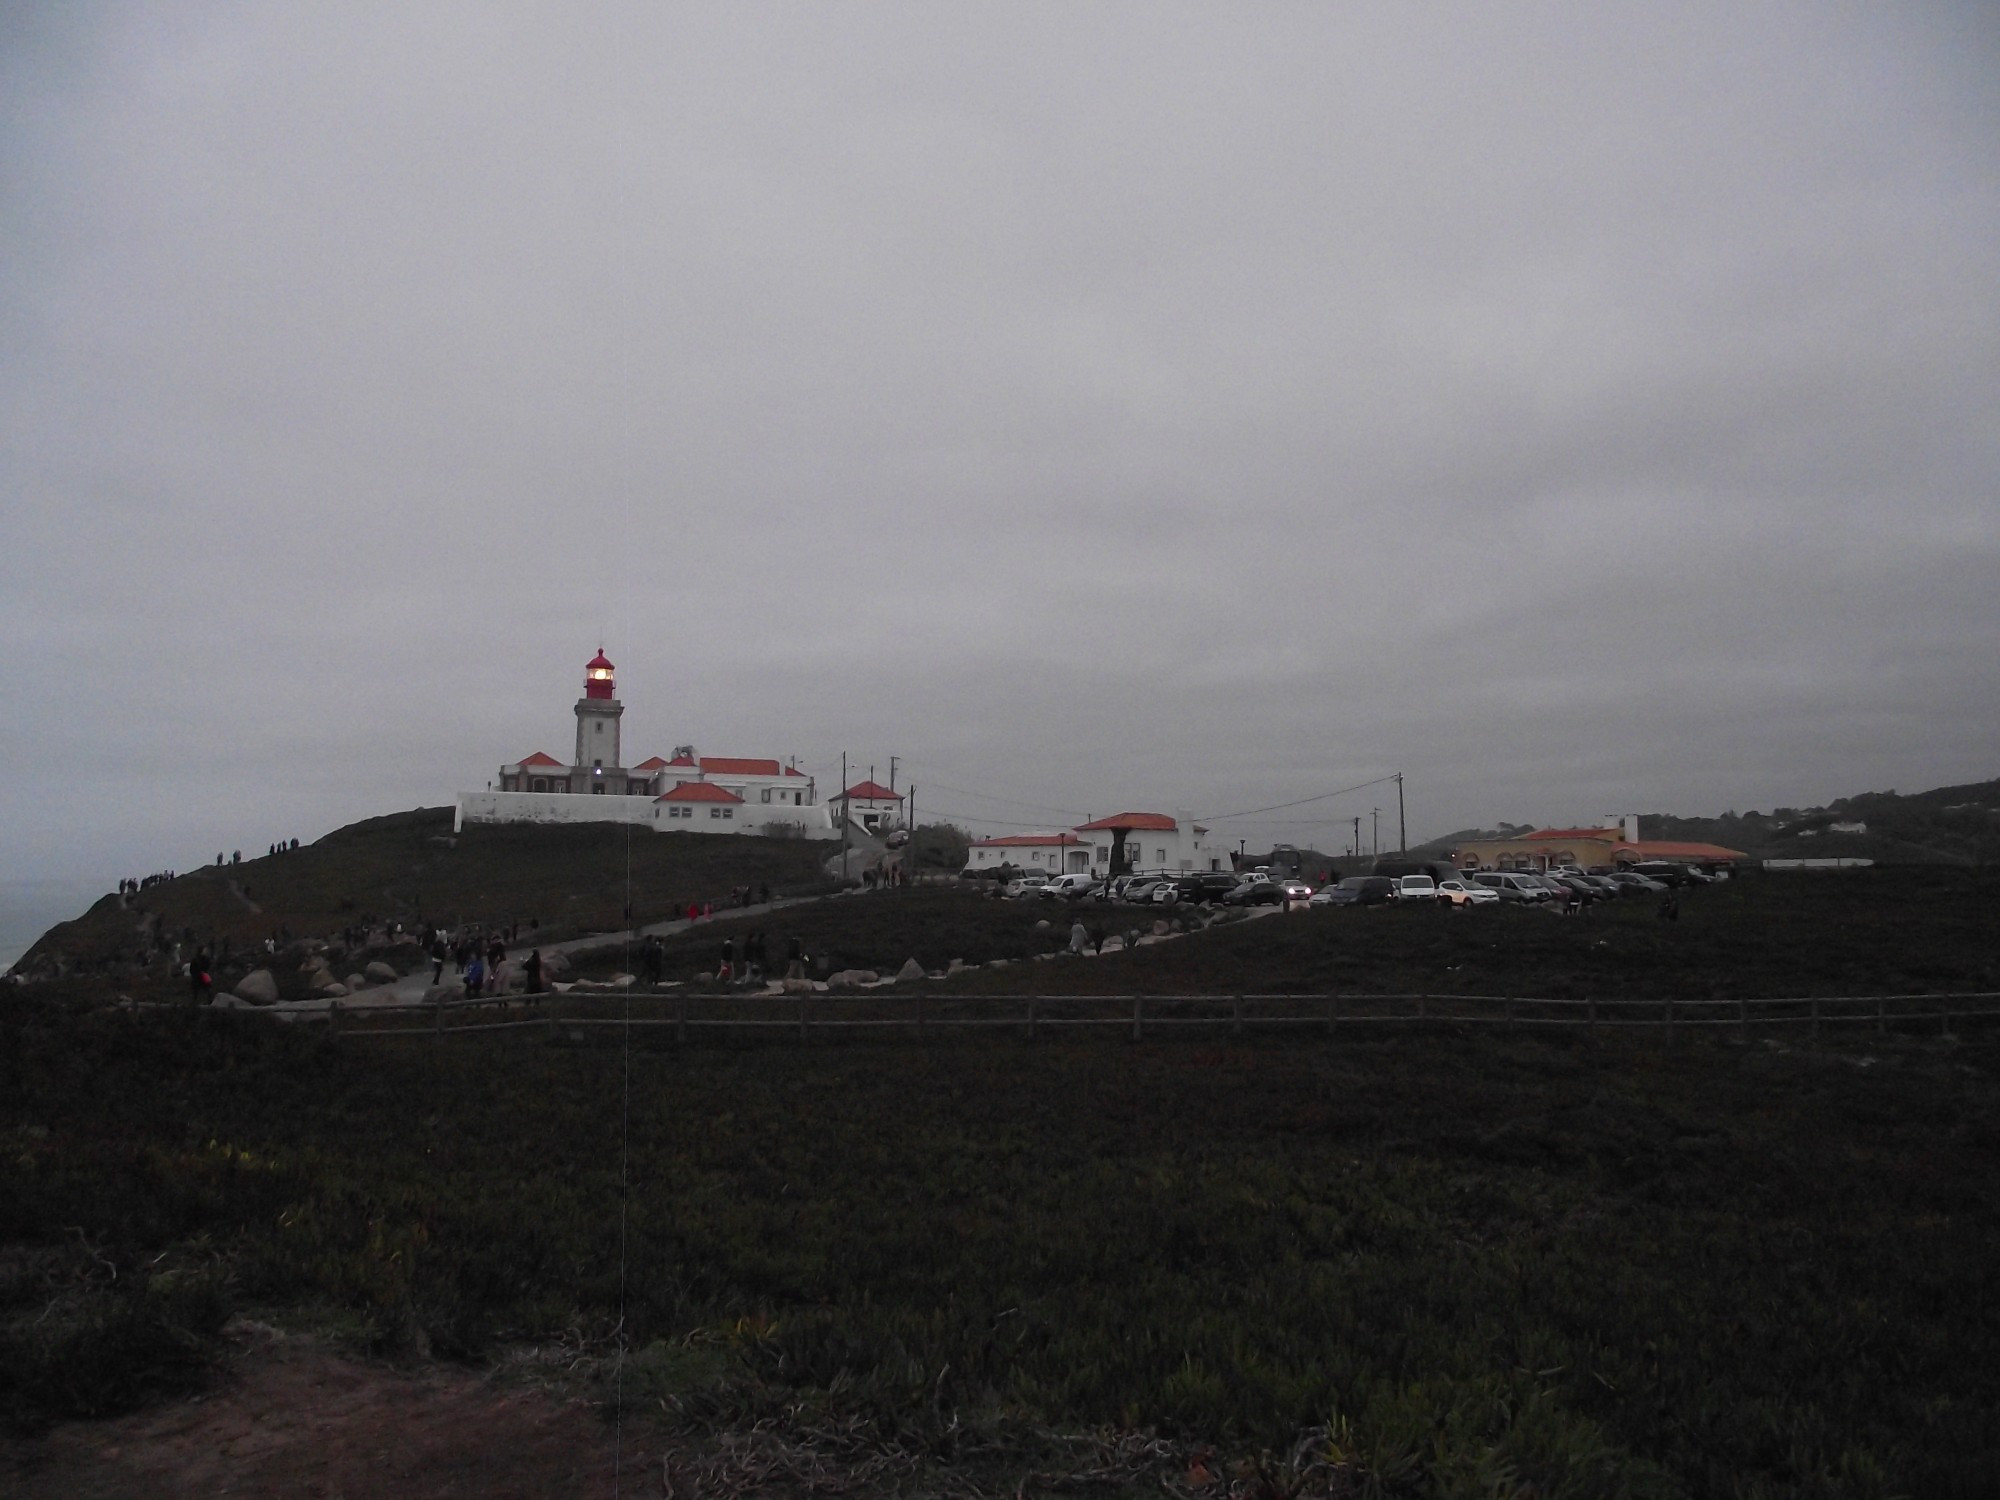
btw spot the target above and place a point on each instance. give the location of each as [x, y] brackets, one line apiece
[476, 957]
[144, 883]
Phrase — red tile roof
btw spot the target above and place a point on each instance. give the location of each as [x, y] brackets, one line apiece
[540, 759]
[874, 791]
[652, 763]
[732, 765]
[1023, 840]
[699, 791]
[1136, 822]
[681, 760]
[1667, 849]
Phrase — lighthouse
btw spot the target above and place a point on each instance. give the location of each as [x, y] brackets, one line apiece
[597, 714]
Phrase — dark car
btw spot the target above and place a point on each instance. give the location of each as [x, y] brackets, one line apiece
[1356, 890]
[1256, 893]
[1209, 885]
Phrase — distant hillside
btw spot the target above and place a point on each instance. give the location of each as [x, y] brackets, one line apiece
[409, 867]
[1954, 825]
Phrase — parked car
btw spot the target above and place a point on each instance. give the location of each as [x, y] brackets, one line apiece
[1463, 893]
[1632, 882]
[1513, 886]
[1070, 887]
[1416, 888]
[1356, 890]
[1295, 890]
[1025, 885]
[1256, 893]
[1139, 888]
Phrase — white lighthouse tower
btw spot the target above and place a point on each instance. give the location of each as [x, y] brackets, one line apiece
[597, 714]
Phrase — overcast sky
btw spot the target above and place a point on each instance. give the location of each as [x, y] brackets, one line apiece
[1578, 408]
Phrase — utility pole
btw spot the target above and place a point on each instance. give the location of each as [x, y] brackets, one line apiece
[1376, 838]
[844, 810]
[1402, 828]
[892, 772]
[1355, 847]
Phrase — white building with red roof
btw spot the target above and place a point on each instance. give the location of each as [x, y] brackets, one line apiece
[870, 805]
[1125, 843]
[689, 793]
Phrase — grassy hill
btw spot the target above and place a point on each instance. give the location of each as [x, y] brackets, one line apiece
[410, 867]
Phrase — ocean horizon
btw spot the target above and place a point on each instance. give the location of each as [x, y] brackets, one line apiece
[29, 908]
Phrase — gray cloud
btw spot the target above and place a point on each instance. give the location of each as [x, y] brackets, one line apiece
[1578, 408]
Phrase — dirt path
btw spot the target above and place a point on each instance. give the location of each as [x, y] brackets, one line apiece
[295, 1419]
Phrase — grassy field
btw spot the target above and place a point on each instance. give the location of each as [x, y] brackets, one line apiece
[1859, 933]
[1459, 1264]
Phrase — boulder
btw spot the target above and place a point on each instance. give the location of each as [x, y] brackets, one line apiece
[258, 987]
[913, 970]
[848, 979]
[227, 1001]
[623, 981]
[382, 973]
[356, 983]
[437, 994]
[1043, 925]
[956, 966]
[998, 963]
[320, 978]
[554, 964]
[334, 991]
[1160, 928]
[798, 986]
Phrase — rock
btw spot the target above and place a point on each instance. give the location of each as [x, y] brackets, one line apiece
[356, 983]
[258, 987]
[227, 1001]
[956, 966]
[913, 970]
[798, 986]
[382, 973]
[998, 963]
[1043, 925]
[623, 981]
[437, 994]
[848, 979]
[1113, 944]
[554, 964]
[334, 991]
[1160, 928]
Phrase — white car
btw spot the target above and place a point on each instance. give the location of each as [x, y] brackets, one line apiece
[1070, 887]
[1461, 893]
[1295, 890]
[1416, 888]
[1027, 885]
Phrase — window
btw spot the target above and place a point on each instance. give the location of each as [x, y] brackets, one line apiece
[1160, 858]
[798, 799]
[715, 812]
[767, 794]
[540, 784]
[729, 812]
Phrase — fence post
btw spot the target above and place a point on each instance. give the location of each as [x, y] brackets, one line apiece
[1138, 1012]
[1236, 1015]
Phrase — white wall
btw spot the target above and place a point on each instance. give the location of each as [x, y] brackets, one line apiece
[586, 807]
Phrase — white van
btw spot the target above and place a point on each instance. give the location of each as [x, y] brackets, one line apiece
[1070, 887]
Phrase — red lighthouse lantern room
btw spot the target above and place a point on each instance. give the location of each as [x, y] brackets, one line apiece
[597, 678]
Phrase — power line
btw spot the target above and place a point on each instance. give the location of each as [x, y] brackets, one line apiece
[1251, 812]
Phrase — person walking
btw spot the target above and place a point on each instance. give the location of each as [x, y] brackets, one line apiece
[534, 971]
[438, 955]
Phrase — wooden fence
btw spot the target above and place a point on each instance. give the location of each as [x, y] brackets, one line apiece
[575, 1017]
